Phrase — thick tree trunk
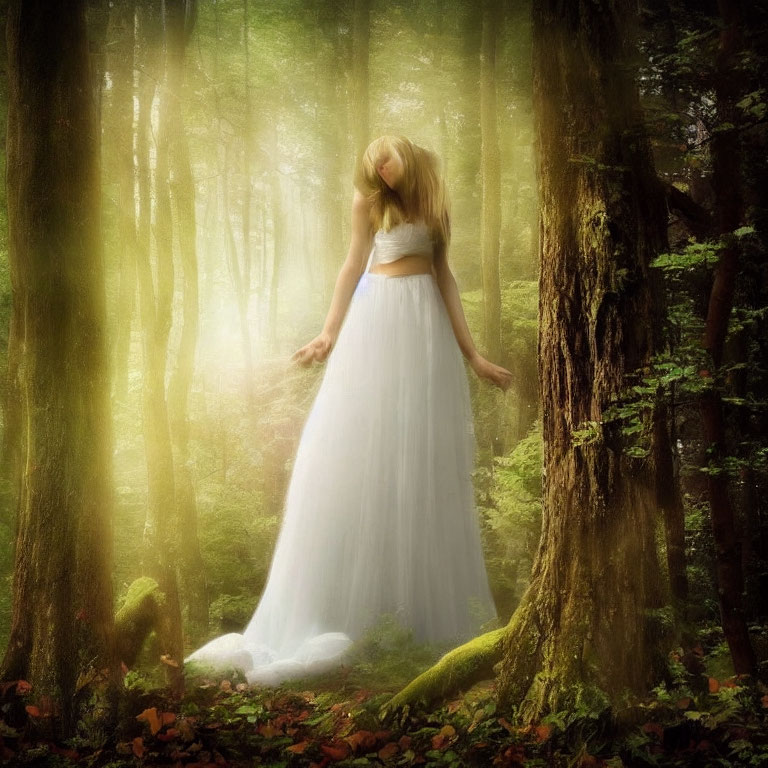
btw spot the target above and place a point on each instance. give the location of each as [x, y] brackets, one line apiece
[62, 627]
[160, 528]
[726, 182]
[585, 626]
[584, 632]
[182, 192]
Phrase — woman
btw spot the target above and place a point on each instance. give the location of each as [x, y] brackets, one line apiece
[379, 513]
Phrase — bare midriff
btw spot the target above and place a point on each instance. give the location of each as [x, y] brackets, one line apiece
[410, 264]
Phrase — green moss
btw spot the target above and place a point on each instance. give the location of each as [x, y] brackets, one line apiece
[137, 617]
[458, 669]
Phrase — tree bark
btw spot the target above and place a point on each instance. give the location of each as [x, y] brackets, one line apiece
[586, 625]
[585, 632]
[729, 208]
[62, 626]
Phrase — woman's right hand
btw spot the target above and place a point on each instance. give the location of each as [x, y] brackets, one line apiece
[497, 375]
[318, 349]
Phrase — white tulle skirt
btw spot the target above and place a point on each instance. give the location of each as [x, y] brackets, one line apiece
[379, 513]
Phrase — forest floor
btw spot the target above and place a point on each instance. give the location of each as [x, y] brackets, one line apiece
[707, 718]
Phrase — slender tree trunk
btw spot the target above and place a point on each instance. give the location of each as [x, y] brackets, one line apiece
[748, 495]
[243, 282]
[277, 247]
[583, 627]
[160, 551]
[121, 71]
[62, 626]
[182, 192]
[360, 112]
[334, 145]
[491, 174]
[729, 205]
[670, 503]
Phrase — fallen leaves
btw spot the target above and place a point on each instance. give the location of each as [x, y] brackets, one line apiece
[444, 737]
[138, 746]
[336, 751]
[388, 750]
[298, 748]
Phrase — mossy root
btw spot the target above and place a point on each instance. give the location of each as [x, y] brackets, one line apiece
[456, 670]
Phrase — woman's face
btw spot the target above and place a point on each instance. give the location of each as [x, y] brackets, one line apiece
[390, 169]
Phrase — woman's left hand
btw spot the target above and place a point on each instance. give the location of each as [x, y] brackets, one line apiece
[497, 375]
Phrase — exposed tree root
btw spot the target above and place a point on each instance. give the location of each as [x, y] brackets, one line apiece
[456, 670]
[140, 614]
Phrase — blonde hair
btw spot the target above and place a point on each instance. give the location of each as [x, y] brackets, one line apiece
[421, 193]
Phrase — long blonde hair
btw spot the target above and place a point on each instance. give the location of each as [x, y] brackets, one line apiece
[421, 193]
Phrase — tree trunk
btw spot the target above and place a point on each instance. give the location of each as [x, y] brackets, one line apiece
[491, 174]
[333, 137]
[121, 71]
[160, 551]
[585, 625]
[62, 626]
[182, 191]
[360, 112]
[275, 190]
[670, 503]
[729, 208]
[584, 632]
[243, 281]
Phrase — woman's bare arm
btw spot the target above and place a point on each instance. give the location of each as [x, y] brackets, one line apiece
[354, 264]
[450, 292]
[346, 282]
[485, 369]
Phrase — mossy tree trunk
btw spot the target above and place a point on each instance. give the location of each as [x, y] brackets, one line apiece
[585, 625]
[62, 627]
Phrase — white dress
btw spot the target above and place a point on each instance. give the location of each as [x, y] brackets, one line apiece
[379, 514]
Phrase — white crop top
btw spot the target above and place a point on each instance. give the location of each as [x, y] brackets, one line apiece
[403, 239]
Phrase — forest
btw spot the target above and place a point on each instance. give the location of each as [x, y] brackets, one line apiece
[176, 208]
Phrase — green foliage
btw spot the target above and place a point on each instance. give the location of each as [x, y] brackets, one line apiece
[693, 255]
[513, 518]
[679, 373]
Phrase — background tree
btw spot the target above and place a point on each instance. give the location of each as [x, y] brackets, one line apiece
[160, 552]
[62, 626]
